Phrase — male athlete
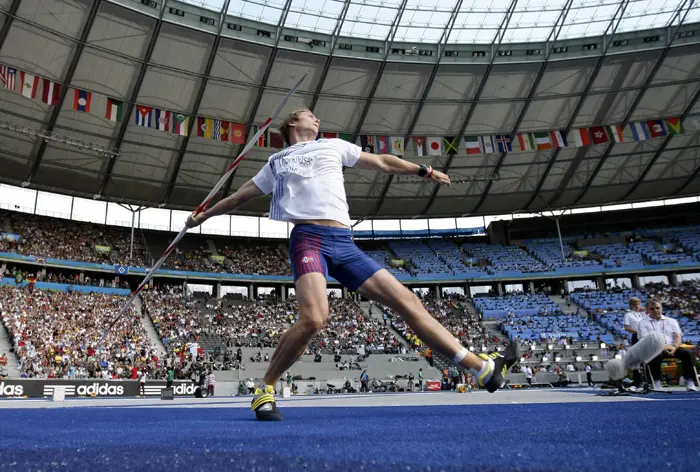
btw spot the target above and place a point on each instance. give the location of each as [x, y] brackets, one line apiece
[306, 182]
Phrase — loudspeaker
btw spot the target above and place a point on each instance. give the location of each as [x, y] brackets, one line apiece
[167, 394]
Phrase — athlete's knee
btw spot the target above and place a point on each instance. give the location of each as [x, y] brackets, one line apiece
[313, 322]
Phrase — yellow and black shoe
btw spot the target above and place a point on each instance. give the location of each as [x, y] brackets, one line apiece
[263, 404]
[499, 368]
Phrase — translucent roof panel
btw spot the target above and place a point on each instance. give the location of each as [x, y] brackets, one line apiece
[477, 20]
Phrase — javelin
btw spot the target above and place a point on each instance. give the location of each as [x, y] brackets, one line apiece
[203, 205]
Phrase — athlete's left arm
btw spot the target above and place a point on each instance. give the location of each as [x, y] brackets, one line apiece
[396, 166]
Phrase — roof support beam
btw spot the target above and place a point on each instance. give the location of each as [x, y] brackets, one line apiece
[662, 146]
[495, 46]
[329, 58]
[14, 6]
[614, 24]
[131, 103]
[680, 15]
[261, 90]
[67, 80]
[197, 102]
[553, 35]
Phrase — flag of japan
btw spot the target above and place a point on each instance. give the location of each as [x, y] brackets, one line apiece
[435, 146]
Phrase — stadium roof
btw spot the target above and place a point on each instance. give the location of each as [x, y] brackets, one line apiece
[394, 68]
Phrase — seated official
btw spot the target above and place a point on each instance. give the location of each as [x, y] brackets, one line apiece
[656, 322]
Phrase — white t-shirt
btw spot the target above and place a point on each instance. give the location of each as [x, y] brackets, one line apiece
[143, 377]
[528, 372]
[306, 180]
[632, 319]
[665, 325]
[588, 369]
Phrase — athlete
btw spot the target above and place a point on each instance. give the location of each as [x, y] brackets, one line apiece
[307, 187]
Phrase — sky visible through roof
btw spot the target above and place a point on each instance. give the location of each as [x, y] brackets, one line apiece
[477, 21]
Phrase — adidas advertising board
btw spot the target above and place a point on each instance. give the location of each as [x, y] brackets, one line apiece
[90, 388]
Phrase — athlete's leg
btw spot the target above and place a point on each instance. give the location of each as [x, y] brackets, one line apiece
[383, 288]
[313, 314]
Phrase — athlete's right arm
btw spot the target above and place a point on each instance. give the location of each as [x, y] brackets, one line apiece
[243, 195]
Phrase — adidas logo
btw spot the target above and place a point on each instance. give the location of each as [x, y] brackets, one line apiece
[11, 390]
[178, 389]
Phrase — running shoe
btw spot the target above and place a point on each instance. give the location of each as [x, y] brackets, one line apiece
[501, 364]
[263, 404]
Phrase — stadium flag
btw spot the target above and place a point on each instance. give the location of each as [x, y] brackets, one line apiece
[579, 137]
[221, 128]
[503, 142]
[275, 138]
[557, 139]
[81, 100]
[472, 145]
[262, 140]
[115, 110]
[434, 146]
[8, 75]
[121, 270]
[640, 132]
[599, 135]
[397, 143]
[144, 116]
[30, 84]
[162, 120]
[451, 145]
[526, 142]
[418, 145]
[204, 127]
[180, 124]
[692, 122]
[329, 135]
[346, 137]
[237, 133]
[486, 144]
[542, 141]
[367, 143]
[656, 128]
[50, 92]
[616, 131]
[383, 145]
[674, 126]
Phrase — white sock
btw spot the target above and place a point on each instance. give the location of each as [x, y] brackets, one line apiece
[486, 366]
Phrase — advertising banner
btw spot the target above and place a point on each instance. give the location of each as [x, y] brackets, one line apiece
[218, 259]
[90, 388]
[432, 385]
[10, 237]
[102, 249]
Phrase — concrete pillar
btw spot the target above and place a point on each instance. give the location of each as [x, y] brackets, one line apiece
[438, 291]
[673, 279]
[251, 292]
[635, 282]
[217, 294]
[283, 292]
[601, 283]
[532, 286]
[345, 292]
[499, 288]
[467, 292]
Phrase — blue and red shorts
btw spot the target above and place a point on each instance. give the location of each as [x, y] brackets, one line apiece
[330, 251]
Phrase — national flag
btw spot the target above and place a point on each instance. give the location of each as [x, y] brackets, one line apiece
[418, 145]
[329, 135]
[346, 137]
[526, 142]
[180, 124]
[367, 143]
[656, 128]
[472, 144]
[275, 138]
[692, 122]
[8, 76]
[237, 133]
[616, 131]
[557, 140]
[162, 120]
[599, 135]
[121, 270]
[434, 146]
[451, 145]
[674, 126]
[50, 92]
[542, 141]
[487, 145]
[383, 145]
[81, 100]
[205, 127]
[30, 84]
[397, 145]
[640, 132]
[503, 142]
[580, 137]
[262, 139]
[144, 116]
[221, 128]
[115, 110]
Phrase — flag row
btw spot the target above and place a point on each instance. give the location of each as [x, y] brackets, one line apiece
[233, 132]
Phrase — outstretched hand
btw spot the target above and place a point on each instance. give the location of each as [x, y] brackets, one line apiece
[195, 220]
[439, 177]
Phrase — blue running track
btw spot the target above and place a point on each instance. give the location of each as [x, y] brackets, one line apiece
[616, 436]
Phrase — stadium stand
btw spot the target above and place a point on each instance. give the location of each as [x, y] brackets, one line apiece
[505, 260]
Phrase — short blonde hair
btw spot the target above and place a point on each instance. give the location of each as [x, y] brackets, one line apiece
[292, 118]
[635, 302]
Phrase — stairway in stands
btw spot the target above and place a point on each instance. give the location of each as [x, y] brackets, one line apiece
[6, 347]
[567, 307]
[149, 328]
[377, 315]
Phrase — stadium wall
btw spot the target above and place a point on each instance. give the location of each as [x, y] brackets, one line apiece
[70, 287]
